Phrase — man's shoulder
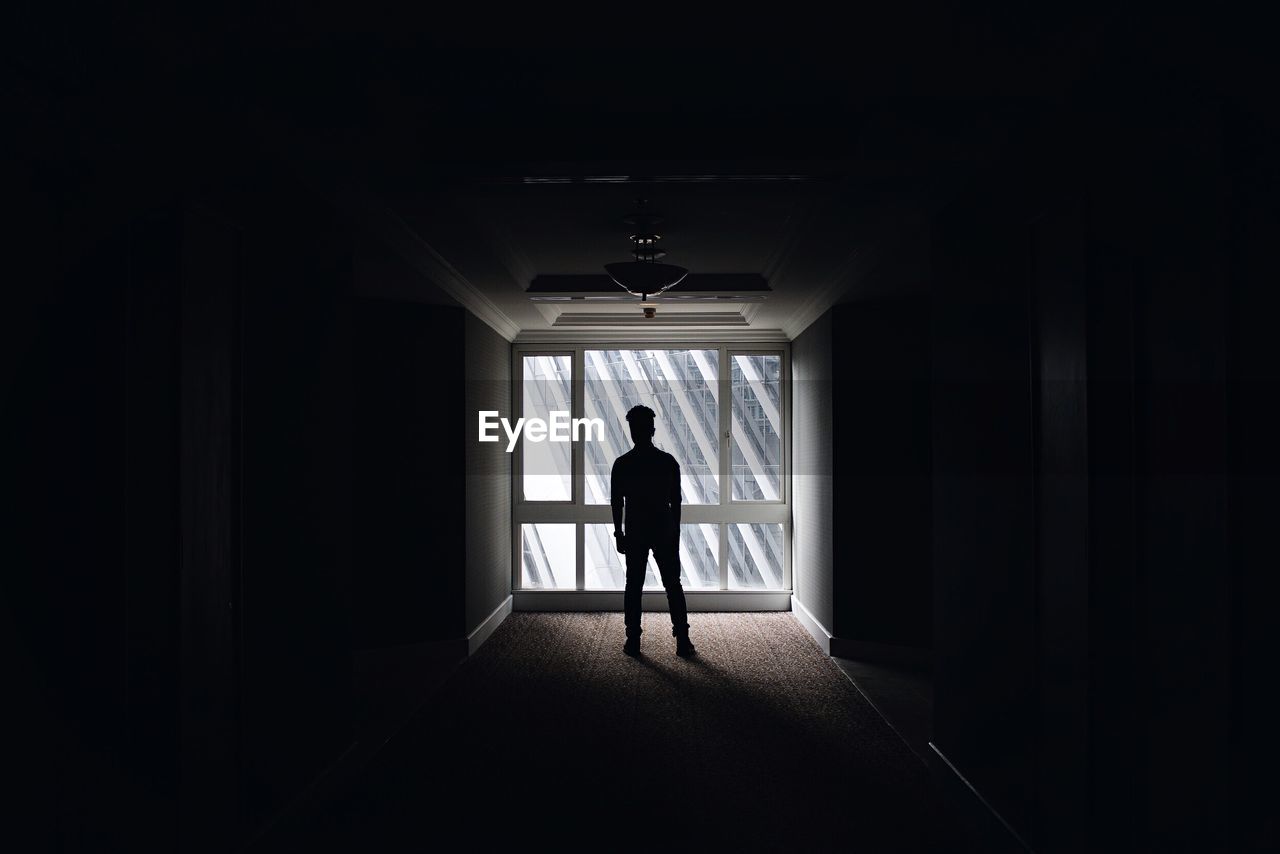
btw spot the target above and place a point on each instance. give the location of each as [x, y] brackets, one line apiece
[645, 457]
[668, 459]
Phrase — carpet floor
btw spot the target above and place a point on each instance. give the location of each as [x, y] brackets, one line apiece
[550, 736]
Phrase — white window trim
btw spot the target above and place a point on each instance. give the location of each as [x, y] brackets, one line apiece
[579, 513]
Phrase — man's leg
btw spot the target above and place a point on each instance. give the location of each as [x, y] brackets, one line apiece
[669, 567]
[636, 560]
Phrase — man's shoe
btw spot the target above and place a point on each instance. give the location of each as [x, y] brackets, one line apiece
[631, 647]
[684, 647]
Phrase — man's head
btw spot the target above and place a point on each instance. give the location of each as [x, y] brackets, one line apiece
[641, 420]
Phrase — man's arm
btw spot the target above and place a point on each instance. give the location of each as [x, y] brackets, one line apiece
[673, 492]
[616, 492]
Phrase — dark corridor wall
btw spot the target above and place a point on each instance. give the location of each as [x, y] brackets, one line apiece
[812, 538]
[184, 588]
[488, 474]
[296, 497]
[862, 559]
[882, 501]
[409, 572]
[432, 506]
[1095, 384]
[91, 533]
[1253, 462]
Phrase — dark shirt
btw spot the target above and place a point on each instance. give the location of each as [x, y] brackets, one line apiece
[646, 481]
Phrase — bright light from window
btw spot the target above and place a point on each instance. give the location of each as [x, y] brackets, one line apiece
[547, 556]
[699, 560]
[755, 556]
[756, 459]
[720, 411]
[681, 387]
[548, 473]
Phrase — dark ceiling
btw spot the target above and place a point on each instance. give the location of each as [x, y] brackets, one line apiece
[884, 106]
[485, 88]
[499, 85]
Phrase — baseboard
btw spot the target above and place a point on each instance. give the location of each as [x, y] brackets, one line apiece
[812, 625]
[882, 653]
[697, 600]
[988, 827]
[481, 633]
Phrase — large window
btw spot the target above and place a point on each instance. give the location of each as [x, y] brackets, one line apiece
[722, 413]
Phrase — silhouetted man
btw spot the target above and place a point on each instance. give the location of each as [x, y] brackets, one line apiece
[646, 484]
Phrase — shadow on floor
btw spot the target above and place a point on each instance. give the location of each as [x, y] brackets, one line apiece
[550, 736]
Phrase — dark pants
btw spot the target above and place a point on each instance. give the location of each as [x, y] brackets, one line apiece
[668, 560]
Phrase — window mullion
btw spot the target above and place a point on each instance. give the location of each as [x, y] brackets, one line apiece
[580, 550]
[725, 468]
[515, 404]
[578, 405]
[784, 437]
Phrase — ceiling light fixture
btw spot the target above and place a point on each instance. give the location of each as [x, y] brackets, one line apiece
[645, 277]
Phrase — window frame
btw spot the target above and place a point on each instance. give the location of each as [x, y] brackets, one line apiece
[728, 511]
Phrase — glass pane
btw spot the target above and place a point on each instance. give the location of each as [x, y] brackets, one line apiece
[700, 557]
[680, 386]
[547, 556]
[699, 560]
[756, 458]
[548, 472]
[755, 556]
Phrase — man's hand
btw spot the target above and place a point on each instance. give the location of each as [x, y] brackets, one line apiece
[620, 540]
